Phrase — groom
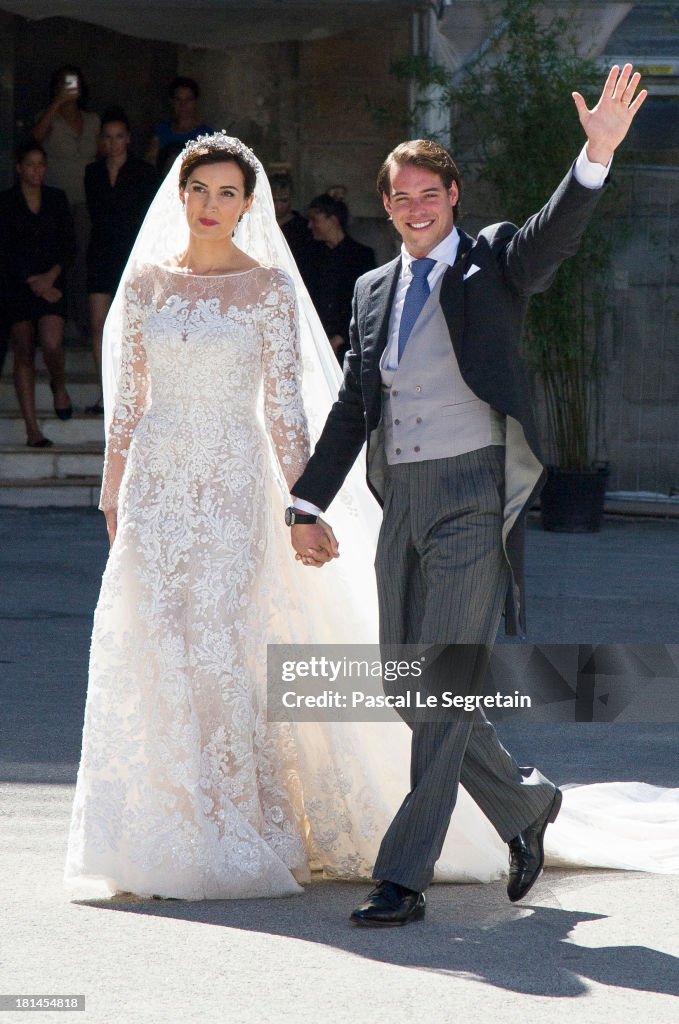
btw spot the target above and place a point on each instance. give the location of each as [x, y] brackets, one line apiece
[434, 383]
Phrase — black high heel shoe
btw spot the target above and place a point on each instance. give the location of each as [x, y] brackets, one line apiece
[66, 412]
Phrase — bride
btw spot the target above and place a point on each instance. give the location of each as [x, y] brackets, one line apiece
[184, 789]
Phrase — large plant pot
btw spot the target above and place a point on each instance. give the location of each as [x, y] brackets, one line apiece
[572, 500]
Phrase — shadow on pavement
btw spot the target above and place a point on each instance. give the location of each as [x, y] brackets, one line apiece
[520, 949]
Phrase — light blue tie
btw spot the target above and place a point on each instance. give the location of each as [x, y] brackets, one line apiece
[416, 296]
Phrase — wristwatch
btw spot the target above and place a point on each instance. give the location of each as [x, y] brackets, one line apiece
[293, 517]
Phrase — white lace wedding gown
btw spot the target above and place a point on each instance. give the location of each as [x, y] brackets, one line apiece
[184, 789]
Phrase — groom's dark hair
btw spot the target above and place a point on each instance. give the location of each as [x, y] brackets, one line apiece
[421, 153]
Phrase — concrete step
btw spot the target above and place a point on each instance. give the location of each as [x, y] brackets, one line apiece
[78, 430]
[643, 505]
[60, 462]
[82, 388]
[79, 360]
[80, 492]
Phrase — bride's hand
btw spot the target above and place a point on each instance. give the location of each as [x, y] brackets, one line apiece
[315, 544]
[111, 525]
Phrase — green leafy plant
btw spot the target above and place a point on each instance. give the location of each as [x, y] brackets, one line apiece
[432, 92]
[517, 102]
[513, 113]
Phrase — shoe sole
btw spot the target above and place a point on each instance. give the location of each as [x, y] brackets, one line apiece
[417, 915]
[552, 816]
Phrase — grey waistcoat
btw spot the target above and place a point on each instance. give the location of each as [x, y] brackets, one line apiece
[428, 412]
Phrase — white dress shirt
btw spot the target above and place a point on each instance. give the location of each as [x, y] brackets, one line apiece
[587, 173]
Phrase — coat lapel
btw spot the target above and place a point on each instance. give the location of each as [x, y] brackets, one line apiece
[452, 287]
[380, 299]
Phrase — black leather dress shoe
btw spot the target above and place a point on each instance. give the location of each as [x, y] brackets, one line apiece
[388, 905]
[526, 852]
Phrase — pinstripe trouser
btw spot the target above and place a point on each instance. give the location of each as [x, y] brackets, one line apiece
[442, 578]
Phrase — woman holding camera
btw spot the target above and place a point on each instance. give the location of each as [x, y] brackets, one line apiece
[69, 134]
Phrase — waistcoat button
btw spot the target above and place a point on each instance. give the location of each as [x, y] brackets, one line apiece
[395, 394]
[418, 389]
[397, 423]
[398, 451]
[416, 448]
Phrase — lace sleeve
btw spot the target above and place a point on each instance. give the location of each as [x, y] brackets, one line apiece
[132, 398]
[282, 374]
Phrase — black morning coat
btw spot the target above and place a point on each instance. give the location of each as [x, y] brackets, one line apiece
[484, 314]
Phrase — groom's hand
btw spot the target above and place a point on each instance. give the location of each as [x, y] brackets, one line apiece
[315, 544]
[607, 124]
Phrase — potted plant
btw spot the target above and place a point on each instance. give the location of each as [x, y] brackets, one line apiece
[516, 101]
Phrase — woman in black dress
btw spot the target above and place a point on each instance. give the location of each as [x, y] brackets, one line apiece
[37, 242]
[119, 188]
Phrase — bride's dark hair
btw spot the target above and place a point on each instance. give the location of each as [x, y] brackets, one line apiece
[213, 154]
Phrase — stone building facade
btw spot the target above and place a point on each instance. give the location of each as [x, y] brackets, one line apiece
[310, 104]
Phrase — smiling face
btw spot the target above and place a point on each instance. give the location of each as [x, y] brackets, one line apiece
[32, 169]
[420, 207]
[214, 200]
[115, 139]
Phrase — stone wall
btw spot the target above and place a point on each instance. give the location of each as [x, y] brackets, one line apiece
[119, 69]
[306, 104]
[640, 428]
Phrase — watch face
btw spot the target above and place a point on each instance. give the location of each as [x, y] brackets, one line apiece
[288, 517]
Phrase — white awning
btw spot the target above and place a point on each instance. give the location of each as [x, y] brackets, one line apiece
[218, 24]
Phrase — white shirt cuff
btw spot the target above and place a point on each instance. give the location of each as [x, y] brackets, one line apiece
[589, 174]
[305, 506]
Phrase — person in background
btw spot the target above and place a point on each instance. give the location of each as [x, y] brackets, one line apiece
[69, 133]
[36, 242]
[338, 260]
[172, 134]
[294, 226]
[119, 189]
[338, 192]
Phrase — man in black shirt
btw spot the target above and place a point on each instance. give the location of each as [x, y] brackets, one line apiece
[338, 260]
[293, 225]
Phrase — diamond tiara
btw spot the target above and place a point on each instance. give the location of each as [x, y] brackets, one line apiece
[220, 140]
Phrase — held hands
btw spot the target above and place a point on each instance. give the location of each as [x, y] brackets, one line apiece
[315, 544]
[607, 124]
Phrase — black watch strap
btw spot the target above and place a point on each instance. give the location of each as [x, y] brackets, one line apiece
[294, 517]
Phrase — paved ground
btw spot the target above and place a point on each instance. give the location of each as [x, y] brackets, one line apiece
[589, 946]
